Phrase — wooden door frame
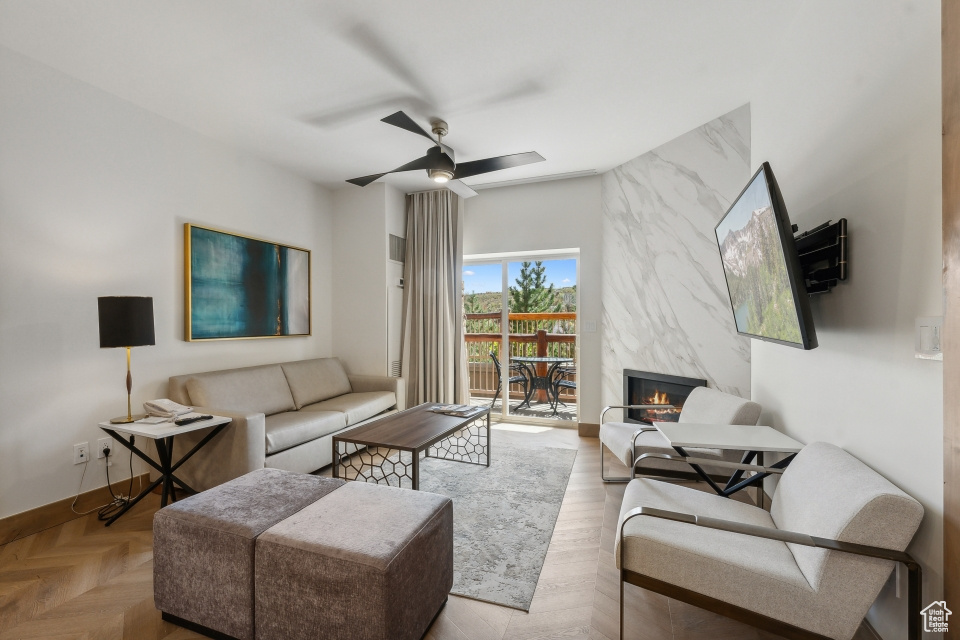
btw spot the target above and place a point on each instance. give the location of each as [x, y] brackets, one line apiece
[950, 60]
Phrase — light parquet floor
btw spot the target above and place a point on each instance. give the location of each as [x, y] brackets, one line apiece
[82, 581]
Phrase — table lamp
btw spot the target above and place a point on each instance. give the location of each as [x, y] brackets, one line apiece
[126, 321]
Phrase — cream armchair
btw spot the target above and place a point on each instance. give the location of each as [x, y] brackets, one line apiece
[628, 441]
[809, 569]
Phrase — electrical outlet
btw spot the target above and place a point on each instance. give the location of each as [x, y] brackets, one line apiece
[105, 443]
[81, 452]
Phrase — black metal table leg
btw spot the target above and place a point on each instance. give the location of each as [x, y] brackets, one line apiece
[167, 480]
[700, 472]
[416, 469]
[336, 457]
[488, 447]
[757, 477]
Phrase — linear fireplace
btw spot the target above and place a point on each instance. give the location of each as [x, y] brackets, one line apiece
[644, 387]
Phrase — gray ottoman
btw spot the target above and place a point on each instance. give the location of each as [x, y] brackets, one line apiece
[368, 562]
[203, 547]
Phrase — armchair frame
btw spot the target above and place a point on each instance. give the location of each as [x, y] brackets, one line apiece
[641, 428]
[914, 574]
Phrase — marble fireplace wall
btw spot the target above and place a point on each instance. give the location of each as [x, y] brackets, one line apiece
[664, 300]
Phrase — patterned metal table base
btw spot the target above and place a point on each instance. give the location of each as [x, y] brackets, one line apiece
[383, 465]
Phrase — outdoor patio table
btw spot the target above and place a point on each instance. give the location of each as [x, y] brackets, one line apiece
[540, 382]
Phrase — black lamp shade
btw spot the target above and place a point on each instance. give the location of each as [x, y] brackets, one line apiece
[126, 321]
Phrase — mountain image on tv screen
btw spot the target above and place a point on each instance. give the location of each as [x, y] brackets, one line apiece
[755, 267]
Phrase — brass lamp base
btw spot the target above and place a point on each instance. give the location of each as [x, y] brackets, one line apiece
[127, 419]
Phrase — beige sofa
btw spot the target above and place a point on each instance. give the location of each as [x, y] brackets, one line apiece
[284, 416]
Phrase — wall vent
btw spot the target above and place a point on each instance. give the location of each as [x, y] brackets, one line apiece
[398, 248]
[395, 368]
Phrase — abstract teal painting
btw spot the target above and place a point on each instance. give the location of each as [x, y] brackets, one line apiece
[241, 287]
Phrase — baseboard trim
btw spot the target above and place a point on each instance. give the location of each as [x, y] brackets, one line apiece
[588, 429]
[27, 523]
[869, 629]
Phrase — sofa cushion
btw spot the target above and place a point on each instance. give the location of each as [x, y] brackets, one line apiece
[315, 380]
[357, 406]
[259, 390]
[286, 430]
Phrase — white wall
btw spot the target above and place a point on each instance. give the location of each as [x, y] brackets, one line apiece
[848, 115]
[559, 214]
[665, 302]
[93, 196]
[362, 219]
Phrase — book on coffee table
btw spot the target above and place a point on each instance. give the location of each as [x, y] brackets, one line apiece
[459, 410]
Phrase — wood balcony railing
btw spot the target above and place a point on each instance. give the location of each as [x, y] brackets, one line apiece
[530, 334]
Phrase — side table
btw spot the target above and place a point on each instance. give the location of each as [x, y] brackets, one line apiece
[754, 440]
[162, 434]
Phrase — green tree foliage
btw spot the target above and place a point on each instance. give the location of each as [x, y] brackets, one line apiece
[530, 295]
[764, 292]
[472, 304]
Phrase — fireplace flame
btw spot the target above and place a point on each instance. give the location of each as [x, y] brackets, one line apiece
[657, 398]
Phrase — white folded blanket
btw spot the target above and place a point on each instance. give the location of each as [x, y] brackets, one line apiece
[165, 408]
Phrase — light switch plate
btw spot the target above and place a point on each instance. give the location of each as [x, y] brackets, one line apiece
[927, 341]
[590, 326]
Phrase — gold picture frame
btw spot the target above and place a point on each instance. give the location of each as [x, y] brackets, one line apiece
[238, 287]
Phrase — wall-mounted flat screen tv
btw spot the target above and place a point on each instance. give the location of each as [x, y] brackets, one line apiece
[762, 267]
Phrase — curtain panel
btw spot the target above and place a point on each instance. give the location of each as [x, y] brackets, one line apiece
[433, 347]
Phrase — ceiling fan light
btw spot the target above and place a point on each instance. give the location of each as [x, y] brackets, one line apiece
[440, 175]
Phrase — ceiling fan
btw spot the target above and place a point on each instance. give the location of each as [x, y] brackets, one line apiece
[440, 161]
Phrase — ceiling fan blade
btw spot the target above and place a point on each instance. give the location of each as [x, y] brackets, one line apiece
[358, 111]
[364, 38]
[462, 190]
[425, 162]
[476, 167]
[365, 180]
[402, 120]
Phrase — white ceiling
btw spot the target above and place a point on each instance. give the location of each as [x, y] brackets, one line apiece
[588, 84]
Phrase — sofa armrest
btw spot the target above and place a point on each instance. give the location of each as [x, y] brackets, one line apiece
[238, 449]
[381, 383]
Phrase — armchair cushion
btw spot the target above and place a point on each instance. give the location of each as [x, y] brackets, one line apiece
[256, 389]
[315, 380]
[356, 406]
[753, 573]
[865, 508]
[618, 437]
[709, 406]
[286, 430]
[824, 492]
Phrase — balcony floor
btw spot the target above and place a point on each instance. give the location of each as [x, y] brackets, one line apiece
[537, 410]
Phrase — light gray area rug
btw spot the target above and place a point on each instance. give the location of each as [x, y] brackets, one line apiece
[503, 518]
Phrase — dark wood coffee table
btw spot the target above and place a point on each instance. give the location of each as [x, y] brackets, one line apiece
[389, 450]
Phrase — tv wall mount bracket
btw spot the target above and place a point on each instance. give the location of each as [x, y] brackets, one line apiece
[823, 255]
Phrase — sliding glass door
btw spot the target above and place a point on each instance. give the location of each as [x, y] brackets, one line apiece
[520, 314]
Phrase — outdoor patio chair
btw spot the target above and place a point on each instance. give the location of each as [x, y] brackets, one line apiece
[520, 379]
[628, 441]
[561, 381]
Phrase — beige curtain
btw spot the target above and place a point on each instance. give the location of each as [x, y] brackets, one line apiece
[434, 352]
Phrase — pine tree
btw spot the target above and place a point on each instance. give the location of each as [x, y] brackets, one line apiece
[530, 295]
